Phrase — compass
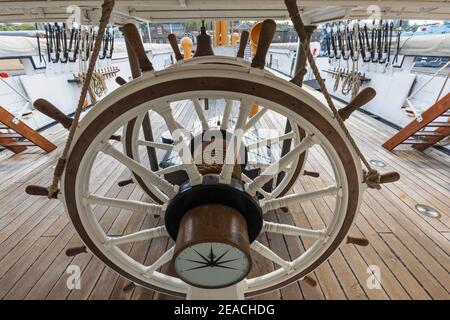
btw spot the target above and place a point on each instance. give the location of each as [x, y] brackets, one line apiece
[212, 265]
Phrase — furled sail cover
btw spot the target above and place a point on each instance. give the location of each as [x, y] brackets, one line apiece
[427, 45]
[18, 46]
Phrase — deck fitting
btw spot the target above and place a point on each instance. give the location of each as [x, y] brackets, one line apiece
[377, 163]
[427, 211]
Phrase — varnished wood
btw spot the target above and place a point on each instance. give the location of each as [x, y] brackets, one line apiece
[389, 177]
[25, 131]
[213, 223]
[47, 108]
[71, 252]
[174, 44]
[33, 190]
[265, 38]
[133, 38]
[428, 116]
[136, 68]
[242, 44]
[300, 65]
[120, 81]
[124, 183]
[361, 99]
[357, 241]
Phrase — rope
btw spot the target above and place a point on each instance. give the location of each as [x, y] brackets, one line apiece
[352, 82]
[371, 176]
[337, 78]
[107, 8]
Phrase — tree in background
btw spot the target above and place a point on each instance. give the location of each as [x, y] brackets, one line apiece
[17, 27]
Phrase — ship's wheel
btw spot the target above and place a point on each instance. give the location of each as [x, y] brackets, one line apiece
[216, 215]
[258, 140]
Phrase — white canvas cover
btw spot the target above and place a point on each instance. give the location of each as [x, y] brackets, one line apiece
[18, 46]
[427, 45]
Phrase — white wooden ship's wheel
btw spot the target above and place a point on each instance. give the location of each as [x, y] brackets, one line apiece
[156, 92]
[216, 213]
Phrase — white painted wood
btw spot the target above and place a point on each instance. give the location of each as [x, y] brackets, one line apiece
[200, 114]
[254, 119]
[269, 254]
[264, 143]
[278, 166]
[180, 145]
[162, 260]
[146, 174]
[226, 115]
[233, 146]
[234, 292]
[142, 235]
[163, 146]
[170, 169]
[298, 198]
[134, 205]
[292, 230]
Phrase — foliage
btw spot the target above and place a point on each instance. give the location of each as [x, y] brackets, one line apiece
[17, 27]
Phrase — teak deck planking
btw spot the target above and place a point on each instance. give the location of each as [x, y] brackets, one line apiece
[411, 250]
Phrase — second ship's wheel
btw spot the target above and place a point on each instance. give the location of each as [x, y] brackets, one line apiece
[217, 214]
[260, 146]
[263, 145]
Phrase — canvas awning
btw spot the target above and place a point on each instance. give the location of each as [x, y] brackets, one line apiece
[314, 11]
[20, 47]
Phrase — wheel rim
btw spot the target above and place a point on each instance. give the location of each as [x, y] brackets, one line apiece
[344, 165]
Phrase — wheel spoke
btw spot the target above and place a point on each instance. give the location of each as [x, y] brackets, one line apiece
[142, 235]
[163, 146]
[180, 146]
[162, 260]
[292, 230]
[200, 114]
[266, 142]
[226, 115]
[234, 145]
[298, 198]
[137, 206]
[269, 254]
[253, 120]
[246, 179]
[152, 180]
[259, 164]
[279, 165]
[170, 169]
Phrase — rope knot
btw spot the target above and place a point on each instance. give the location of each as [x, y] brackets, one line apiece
[373, 179]
[53, 191]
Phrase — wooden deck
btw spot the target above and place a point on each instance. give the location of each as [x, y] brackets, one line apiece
[411, 250]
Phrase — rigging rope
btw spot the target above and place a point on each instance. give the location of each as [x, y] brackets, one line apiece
[107, 8]
[371, 177]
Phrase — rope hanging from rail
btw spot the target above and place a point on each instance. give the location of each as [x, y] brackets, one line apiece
[371, 177]
[107, 8]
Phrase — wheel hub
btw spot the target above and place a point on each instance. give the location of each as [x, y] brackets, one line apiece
[210, 192]
[213, 225]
